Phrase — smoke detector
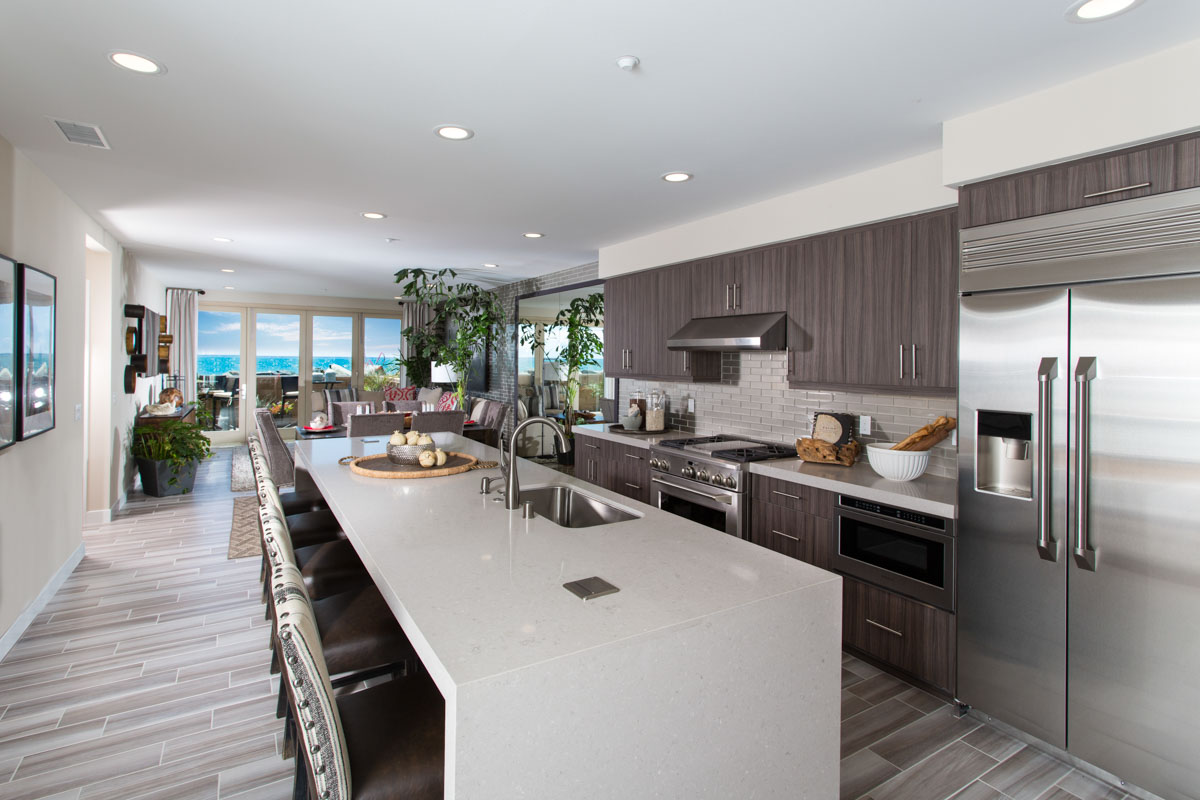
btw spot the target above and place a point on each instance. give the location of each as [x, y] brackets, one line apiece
[627, 63]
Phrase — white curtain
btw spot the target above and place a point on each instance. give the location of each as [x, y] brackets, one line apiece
[183, 309]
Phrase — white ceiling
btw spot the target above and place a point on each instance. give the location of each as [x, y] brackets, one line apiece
[278, 121]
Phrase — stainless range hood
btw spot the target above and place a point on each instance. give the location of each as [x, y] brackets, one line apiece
[744, 332]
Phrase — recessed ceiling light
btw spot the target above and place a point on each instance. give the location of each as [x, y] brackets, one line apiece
[533, 235]
[222, 239]
[373, 215]
[135, 63]
[398, 297]
[676, 177]
[391, 240]
[491, 266]
[226, 269]
[455, 133]
[1096, 10]
[230, 288]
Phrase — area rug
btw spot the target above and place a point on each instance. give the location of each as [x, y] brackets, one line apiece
[245, 538]
[241, 478]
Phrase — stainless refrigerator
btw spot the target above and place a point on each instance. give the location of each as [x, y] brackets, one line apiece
[1079, 484]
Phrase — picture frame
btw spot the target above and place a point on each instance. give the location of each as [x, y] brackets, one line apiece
[38, 294]
[8, 351]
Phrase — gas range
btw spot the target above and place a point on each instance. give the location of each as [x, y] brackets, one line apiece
[717, 460]
[705, 478]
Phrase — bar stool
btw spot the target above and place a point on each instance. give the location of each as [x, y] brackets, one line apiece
[327, 569]
[306, 526]
[384, 741]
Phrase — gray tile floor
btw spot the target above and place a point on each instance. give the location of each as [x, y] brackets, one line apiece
[147, 677]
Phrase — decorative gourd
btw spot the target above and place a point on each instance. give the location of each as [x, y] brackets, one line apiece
[427, 459]
[412, 437]
[440, 455]
[398, 439]
[425, 438]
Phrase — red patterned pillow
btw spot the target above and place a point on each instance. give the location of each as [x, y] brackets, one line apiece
[449, 402]
[392, 393]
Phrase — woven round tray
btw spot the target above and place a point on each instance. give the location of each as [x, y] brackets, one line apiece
[378, 466]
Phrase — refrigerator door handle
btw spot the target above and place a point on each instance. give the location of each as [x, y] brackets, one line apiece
[1047, 546]
[1085, 372]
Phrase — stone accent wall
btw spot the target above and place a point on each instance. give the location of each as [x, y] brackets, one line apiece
[502, 361]
[753, 399]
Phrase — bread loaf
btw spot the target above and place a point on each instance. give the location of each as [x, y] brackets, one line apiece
[827, 453]
[928, 436]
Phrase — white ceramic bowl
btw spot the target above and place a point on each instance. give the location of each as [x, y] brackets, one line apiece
[897, 465]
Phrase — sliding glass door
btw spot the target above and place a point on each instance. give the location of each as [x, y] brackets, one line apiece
[277, 366]
[220, 367]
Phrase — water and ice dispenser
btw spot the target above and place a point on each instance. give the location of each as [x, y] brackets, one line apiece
[1003, 453]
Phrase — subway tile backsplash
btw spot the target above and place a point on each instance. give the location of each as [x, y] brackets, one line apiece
[753, 399]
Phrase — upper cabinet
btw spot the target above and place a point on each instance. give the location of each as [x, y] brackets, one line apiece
[750, 282]
[1134, 172]
[642, 310]
[875, 307]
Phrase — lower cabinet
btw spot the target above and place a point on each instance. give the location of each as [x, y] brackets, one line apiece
[913, 637]
[624, 469]
[793, 533]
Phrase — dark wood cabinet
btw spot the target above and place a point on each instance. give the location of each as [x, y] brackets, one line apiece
[876, 307]
[673, 311]
[748, 282]
[912, 637]
[792, 519]
[624, 469]
[1123, 175]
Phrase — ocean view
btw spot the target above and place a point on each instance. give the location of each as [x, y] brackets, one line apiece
[219, 365]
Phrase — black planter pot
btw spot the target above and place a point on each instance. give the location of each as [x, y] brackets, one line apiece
[156, 477]
[567, 458]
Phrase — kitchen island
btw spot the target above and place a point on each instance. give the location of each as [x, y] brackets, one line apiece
[713, 673]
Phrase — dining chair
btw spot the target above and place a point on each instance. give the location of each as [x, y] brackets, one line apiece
[387, 740]
[403, 405]
[439, 421]
[341, 409]
[374, 424]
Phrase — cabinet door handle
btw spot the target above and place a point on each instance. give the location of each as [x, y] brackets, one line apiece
[892, 631]
[901, 362]
[685, 361]
[785, 494]
[633, 486]
[1128, 188]
[728, 296]
[630, 364]
[593, 446]
[737, 299]
[912, 349]
[631, 455]
[785, 535]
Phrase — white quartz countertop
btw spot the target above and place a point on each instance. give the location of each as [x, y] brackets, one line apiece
[644, 440]
[927, 494]
[480, 590]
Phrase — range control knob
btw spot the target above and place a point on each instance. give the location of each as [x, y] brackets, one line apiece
[730, 482]
[655, 463]
[719, 480]
[702, 475]
[687, 472]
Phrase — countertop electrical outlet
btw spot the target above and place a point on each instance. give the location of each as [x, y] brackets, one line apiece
[691, 405]
[864, 426]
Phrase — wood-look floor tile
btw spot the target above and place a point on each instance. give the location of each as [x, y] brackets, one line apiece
[862, 772]
[109, 745]
[16, 727]
[1026, 774]
[35, 676]
[978, 790]
[244, 711]
[188, 747]
[876, 722]
[849, 678]
[73, 776]
[921, 739]
[280, 790]
[219, 698]
[1085, 787]
[132, 784]
[7, 768]
[852, 704]
[148, 701]
[921, 701]
[18, 697]
[1057, 793]
[245, 777]
[991, 741]
[206, 788]
[50, 739]
[938, 776]
[878, 688]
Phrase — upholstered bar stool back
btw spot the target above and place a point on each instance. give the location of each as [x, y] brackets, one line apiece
[439, 422]
[283, 467]
[374, 424]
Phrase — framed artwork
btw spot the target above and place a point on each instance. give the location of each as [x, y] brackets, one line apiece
[8, 351]
[35, 347]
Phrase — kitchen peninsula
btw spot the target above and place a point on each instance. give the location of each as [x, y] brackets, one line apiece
[712, 673]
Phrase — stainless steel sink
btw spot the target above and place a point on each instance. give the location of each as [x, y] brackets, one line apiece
[570, 508]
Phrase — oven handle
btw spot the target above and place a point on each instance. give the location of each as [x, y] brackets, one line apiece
[716, 498]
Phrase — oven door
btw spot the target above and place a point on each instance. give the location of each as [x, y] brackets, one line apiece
[698, 502]
[908, 559]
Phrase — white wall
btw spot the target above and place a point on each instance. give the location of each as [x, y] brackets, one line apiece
[894, 190]
[1138, 101]
[41, 480]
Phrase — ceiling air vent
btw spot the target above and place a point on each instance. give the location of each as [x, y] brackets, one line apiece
[82, 133]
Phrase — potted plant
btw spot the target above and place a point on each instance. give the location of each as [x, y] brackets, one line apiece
[580, 348]
[167, 452]
[473, 313]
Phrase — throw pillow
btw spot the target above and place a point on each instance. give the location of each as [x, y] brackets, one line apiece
[448, 402]
[429, 398]
[479, 410]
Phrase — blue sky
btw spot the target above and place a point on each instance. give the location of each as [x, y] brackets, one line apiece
[279, 335]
